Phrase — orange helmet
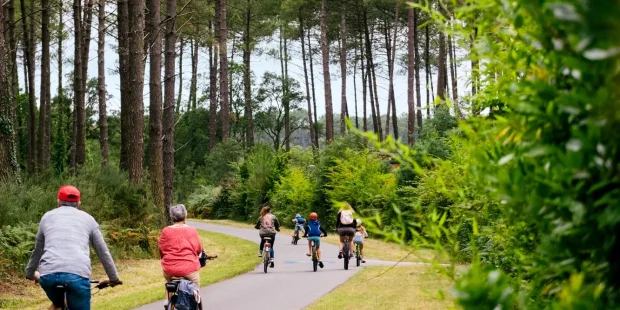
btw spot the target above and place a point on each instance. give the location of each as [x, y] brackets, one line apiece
[314, 216]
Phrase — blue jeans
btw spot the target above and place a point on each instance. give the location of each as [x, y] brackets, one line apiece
[77, 288]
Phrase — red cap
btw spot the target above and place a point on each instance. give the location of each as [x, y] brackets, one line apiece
[69, 193]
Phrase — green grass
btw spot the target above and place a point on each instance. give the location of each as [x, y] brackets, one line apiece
[143, 280]
[374, 248]
[373, 288]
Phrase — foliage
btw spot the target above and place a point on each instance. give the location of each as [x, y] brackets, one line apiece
[295, 193]
[219, 161]
[16, 243]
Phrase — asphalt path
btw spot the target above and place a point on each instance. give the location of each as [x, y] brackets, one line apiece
[292, 284]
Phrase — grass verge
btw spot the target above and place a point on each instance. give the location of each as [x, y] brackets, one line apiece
[373, 288]
[374, 248]
[143, 281]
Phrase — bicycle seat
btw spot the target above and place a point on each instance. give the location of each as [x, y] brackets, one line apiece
[172, 286]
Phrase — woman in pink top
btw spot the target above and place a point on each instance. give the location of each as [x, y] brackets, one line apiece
[179, 247]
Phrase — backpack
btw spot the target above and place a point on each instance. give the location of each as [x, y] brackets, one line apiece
[314, 228]
[300, 220]
[268, 221]
[346, 217]
[185, 299]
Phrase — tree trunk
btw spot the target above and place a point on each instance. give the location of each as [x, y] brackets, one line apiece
[329, 112]
[417, 68]
[179, 97]
[343, 67]
[372, 79]
[9, 168]
[428, 72]
[13, 54]
[123, 58]
[441, 77]
[213, 86]
[453, 77]
[101, 89]
[303, 56]
[285, 90]
[224, 103]
[45, 95]
[29, 57]
[411, 66]
[135, 40]
[373, 112]
[392, 95]
[357, 125]
[247, 83]
[86, 31]
[168, 115]
[193, 83]
[364, 99]
[316, 120]
[156, 171]
[475, 72]
[59, 38]
[388, 52]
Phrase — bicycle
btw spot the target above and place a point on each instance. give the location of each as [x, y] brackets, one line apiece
[267, 253]
[346, 252]
[172, 288]
[315, 257]
[295, 237]
[358, 254]
[62, 289]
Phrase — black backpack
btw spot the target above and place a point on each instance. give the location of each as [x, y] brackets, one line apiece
[185, 296]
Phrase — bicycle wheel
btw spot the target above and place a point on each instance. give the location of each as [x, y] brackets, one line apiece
[358, 256]
[171, 303]
[315, 260]
[296, 238]
[345, 253]
[266, 259]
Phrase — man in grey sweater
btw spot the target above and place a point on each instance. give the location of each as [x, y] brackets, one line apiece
[62, 252]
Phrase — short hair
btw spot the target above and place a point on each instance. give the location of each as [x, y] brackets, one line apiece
[69, 204]
[178, 213]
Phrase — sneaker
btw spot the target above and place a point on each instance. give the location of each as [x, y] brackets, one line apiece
[320, 264]
[340, 255]
[363, 261]
[271, 263]
[260, 254]
[308, 254]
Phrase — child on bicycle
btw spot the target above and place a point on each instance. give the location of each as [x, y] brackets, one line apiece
[299, 222]
[360, 235]
[313, 233]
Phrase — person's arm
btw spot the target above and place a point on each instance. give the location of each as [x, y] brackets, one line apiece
[35, 257]
[276, 223]
[101, 248]
[257, 226]
[323, 231]
[338, 220]
[306, 230]
[197, 242]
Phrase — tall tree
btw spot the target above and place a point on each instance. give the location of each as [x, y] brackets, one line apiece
[213, 52]
[364, 95]
[156, 161]
[372, 79]
[417, 68]
[135, 106]
[247, 74]
[286, 99]
[123, 59]
[302, 35]
[224, 103]
[357, 125]
[411, 66]
[427, 62]
[311, 57]
[9, 167]
[180, 92]
[45, 94]
[193, 81]
[168, 115]
[29, 62]
[475, 71]
[103, 116]
[329, 112]
[343, 67]
[391, 51]
[453, 78]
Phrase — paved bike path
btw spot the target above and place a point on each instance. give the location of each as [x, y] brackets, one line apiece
[290, 285]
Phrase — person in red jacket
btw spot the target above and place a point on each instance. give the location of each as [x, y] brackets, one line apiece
[179, 247]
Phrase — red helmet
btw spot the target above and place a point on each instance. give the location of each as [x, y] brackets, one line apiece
[314, 216]
[69, 193]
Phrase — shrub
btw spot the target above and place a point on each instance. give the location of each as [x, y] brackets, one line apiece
[295, 193]
[16, 244]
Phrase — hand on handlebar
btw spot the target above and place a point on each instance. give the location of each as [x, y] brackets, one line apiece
[107, 282]
[36, 277]
[211, 256]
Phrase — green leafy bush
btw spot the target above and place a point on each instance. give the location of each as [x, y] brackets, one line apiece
[16, 243]
[295, 193]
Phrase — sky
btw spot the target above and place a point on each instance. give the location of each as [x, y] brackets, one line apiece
[261, 62]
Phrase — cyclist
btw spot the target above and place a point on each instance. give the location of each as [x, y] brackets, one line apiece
[360, 234]
[313, 232]
[267, 226]
[299, 222]
[345, 224]
[62, 252]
